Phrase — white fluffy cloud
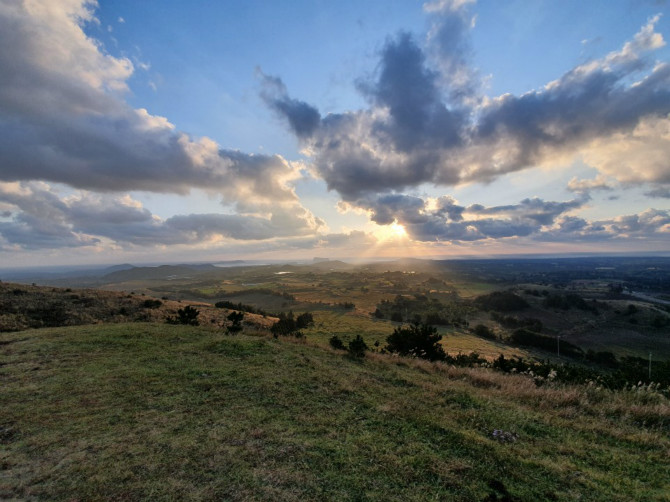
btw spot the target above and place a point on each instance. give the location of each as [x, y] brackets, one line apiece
[37, 216]
[63, 118]
[422, 127]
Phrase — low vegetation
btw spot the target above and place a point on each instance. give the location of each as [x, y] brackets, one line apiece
[158, 411]
[392, 381]
[416, 340]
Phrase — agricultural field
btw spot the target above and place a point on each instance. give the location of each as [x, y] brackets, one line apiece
[600, 305]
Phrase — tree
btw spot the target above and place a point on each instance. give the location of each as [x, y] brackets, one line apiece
[417, 339]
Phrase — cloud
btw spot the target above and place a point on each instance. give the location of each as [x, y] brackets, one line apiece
[659, 192]
[302, 118]
[449, 48]
[586, 186]
[647, 226]
[638, 155]
[39, 217]
[612, 112]
[443, 219]
[63, 119]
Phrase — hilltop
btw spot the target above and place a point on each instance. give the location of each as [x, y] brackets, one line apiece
[155, 411]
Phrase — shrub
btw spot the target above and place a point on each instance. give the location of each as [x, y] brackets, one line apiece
[396, 317]
[151, 304]
[304, 320]
[357, 347]
[284, 326]
[417, 339]
[188, 315]
[236, 319]
[336, 343]
[225, 304]
[288, 325]
[605, 358]
[567, 302]
[528, 338]
[502, 301]
[484, 332]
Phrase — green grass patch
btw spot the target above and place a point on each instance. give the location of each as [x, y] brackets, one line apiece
[160, 412]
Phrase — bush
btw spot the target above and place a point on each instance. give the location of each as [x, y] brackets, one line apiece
[567, 302]
[357, 347]
[288, 325]
[152, 304]
[188, 316]
[225, 304]
[417, 339]
[236, 319]
[502, 301]
[304, 320]
[336, 343]
[604, 358]
[530, 339]
[484, 332]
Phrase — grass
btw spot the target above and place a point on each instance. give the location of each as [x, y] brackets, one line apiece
[149, 411]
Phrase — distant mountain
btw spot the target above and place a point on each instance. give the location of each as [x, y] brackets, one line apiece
[331, 265]
[116, 268]
[161, 272]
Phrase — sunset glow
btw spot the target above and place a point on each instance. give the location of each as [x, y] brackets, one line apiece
[141, 131]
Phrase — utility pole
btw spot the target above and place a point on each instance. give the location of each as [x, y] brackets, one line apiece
[650, 366]
[558, 346]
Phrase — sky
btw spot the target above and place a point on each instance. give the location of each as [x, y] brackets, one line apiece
[170, 131]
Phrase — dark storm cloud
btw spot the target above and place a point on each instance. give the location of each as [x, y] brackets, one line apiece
[415, 131]
[302, 118]
[408, 89]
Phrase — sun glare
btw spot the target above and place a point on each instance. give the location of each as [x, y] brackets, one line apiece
[394, 231]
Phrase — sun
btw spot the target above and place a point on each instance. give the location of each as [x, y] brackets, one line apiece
[393, 232]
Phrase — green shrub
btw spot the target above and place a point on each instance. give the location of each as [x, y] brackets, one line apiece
[357, 347]
[236, 319]
[151, 304]
[528, 338]
[336, 343]
[417, 339]
[188, 316]
[502, 301]
[484, 332]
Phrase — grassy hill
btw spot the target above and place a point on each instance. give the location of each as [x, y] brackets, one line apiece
[161, 412]
[23, 307]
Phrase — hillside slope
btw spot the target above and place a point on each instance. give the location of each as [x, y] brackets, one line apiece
[162, 412]
[23, 307]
